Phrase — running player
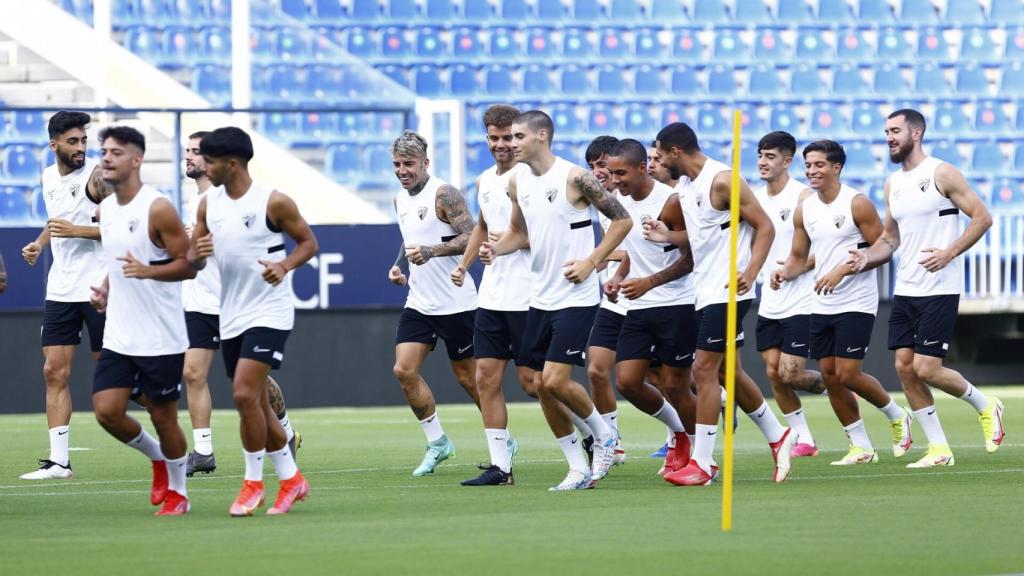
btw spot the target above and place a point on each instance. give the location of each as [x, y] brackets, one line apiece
[704, 195]
[243, 223]
[655, 279]
[435, 230]
[923, 199]
[72, 190]
[784, 315]
[503, 300]
[144, 345]
[827, 225]
[551, 213]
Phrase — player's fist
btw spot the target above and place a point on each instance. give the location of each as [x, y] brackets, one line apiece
[31, 252]
[61, 228]
[395, 276]
[99, 298]
[655, 231]
[611, 290]
[132, 268]
[204, 246]
[273, 272]
[458, 275]
[858, 260]
[486, 253]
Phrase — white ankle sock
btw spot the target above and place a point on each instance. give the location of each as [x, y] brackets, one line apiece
[704, 446]
[284, 463]
[254, 465]
[287, 425]
[612, 420]
[859, 435]
[581, 425]
[59, 445]
[598, 425]
[573, 450]
[892, 411]
[928, 418]
[176, 475]
[798, 422]
[668, 416]
[202, 441]
[768, 423]
[497, 445]
[147, 445]
[432, 427]
[975, 398]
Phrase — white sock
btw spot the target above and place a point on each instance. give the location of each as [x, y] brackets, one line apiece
[598, 425]
[202, 441]
[284, 463]
[254, 465]
[668, 416]
[929, 420]
[287, 425]
[670, 435]
[59, 445]
[973, 396]
[176, 475]
[704, 446]
[798, 422]
[147, 445]
[892, 411]
[432, 427]
[497, 445]
[768, 423]
[581, 425]
[573, 450]
[858, 435]
[612, 420]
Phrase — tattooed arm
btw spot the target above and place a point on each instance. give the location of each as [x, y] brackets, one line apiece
[585, 188]
[451, 208]
[96, 190]
[672, 216]
[882, 250]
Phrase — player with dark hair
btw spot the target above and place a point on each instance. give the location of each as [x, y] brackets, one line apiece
[656, 169]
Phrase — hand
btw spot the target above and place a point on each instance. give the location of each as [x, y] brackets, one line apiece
[655, 231]
[611, 290]
[458, 275]
[395, 276]
[31, 252]
[61, 228]
[486, 253]
[273, 272]
[778, 277]
[99, 298]
[577, 271]
[633, 288]
[3, 282]
[743, 284]
[132, 268]
[419, 255]
[827, 283]
[857, 261]
[937, 259]
[204, 246]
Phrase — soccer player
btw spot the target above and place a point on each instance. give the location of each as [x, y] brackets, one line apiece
[504, 298]
[705, 201]
[144, 344]
[551, 204]
[435, 228]
[202, 307]
[923, 199]
[243, 224]
[72, 190]
[656, 169]
[827, 225]
[784, 315]
[655, 279]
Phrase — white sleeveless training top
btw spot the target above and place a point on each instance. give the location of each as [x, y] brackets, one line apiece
[622, 306]
[77, 262]
[558, 232]
[833, 234]
[203, 293]
[431, 291]
[506, 284]
[646, 258]
[926, 219]
[144, 317]
[241, 238]
[708, 230]
[793, 298]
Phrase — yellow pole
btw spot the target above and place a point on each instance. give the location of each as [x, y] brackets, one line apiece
[730, 325]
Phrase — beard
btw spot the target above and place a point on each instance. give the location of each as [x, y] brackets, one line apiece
[195, 173]
[70, 161]
[900, 154]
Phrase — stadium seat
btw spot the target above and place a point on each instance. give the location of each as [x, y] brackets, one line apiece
[784, 117]
[932, 44]
[977, 44]
[587, 11]
[262, 44]
[396, 74]
[81, 9]
[614, 44]
[341, 162]
[805, 81]
[1014, 49]
[647, 45]
[550, 10]
[765, 81]
[516, 10]
[627, 11]
[427, 81]
[144, 42]
[537, 80]
[376, 160]
[712, 122]
[429, 43]
[893, 45]
[364, 10]
[672, 112]
[970, 79]
[611, 81]
[961, 12]
[848, 82]
[358, 42]
[668, 12]
[503, 44]
[860, 160]
[752, 12]
[279, 125]
[462, 80]
[918, 12]
[29, 125]
[499, 80]
[1006, 12]
[18, 162]
[648, 81]
[466, 43]
[851, 44]
[539, 43]
[827, 118]
[281, 86]
[686, 45]
[1018, 159]
[875, 12]
[950, 118]
[212, 83]
[1011, 81]
[575, 80]
[477, 10]
[601, 119]
[178, 46]
[214, 45]
[15, 206]
[889, 80]
[576, 44]
[811, 45]
[328, 11]
[1008, 194]
[868, 120]
[710, 12]
[723, 81]
[770, 45]
[930, 79]
[793, 12]
[563, 116]
[729, 46]
[293, 44]
[987, 158]
[478, 158]
[441, 10]
[751, 120]
[684, 81]
[297, 9]
[947, 151]
[835, 11]
[323, 83]
[394, 43]
[990, 118]
[568, 150]
[639, 119]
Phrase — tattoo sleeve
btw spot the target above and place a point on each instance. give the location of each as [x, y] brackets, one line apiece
[590, 188]
[451, 208]
[97, 189]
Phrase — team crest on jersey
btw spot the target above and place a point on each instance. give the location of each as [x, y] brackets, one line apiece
[810, 225]
[422, 212]
[550, 193]
[699, 198]
[74, 189]
[486, 196]
[133, 223]
[50, 194]
[923, 184]
[784, 214]
[839, 220]
[524, 199]
[248, 219]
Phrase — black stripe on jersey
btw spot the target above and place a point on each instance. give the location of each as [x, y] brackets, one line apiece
[271, 226]
[580, 224]
[95, 219]
[670, 248]
[725, 225]
[161, 262]
[277, 248]
[449, 238]
[949, 212]
[863, 245]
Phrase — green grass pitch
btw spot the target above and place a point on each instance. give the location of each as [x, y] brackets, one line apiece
[367, 515]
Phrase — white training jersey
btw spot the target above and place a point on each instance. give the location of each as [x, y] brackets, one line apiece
[506, 283]
[708, 230]
[77, 262]
[431, 290]
[611, 267]
[833, 234]
[242, 236]
[793, 298]
[144, 317]
[926, 219]
[647, 258]
[558, 232]
[203, 293]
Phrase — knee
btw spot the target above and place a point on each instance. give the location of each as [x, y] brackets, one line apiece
[847, 377]
[597, 374]
[244, 396]
[107, 416]
[927, 368]
[775, 376]
[56, 374]
[405, 374]
[905, 370]
[528, 385]
[193, 376]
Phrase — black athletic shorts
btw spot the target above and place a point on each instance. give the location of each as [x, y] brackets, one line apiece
[711, 326]
[62, 324]
[498, 334]
[203, 330]
[924, 323]
[606, 328]
[670, 332]
[557, 336]
[845, 335]
[264, 345]
[791, 335]
[158, 377]
[455, 329]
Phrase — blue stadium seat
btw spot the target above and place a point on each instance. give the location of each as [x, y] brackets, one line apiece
[613, 43]
[15, 204]
[329, 11]
[427, 80]
[503, 43]
[932, 44]
[429, 43]
[550, 10]
[947, 151]
[278, 125]
[970, 79]
[639, 120]
[827, 118]
[1006, 12]
[297, 9]
[889, 80]
[847, 81]
[601, 119]
[1014, 44]
[868, 120]
[648, 81]
[441, 10]
[500, 80]
[565, 120]
[214, 44]
[318, 126]
[626, 11]
[365, 10]
[358, 42]
[81, 9]
[342, 162]
[281, 86]
[918, 12]
[478, 157]
[143, 41]
[875, 11]
[729, 46]
[212, 83]
[860, 160]
[537, 80]
[668, 12]
[154, 11]
[1019, 118]
[394, 43]
[539, 43]
[466, 43]
[568, 150]
[752, 12]
[784, 117]
[1008, 194]
[751, 121]
[835, 11]
[1012, 79]
[950, 118]
[516, 10]
[574, 80]
[673, 112]
[293, 43]
[1018, 159]
[219, 11]
[812, 45]
[20, 163]
[770, 45]
[262, 44]
[893, 45]
[805, 81]
[977, 44]
[712, 122]
[962, 12]
[722, 81]
[396, 74]
[851, 44]
[462, 80]
[611, 81]
[376, 161]
[576, 44]
[323, 83]
[686, 45]
[765, 81]
[990, 118]
[647, 45]
[793, 12]
[929, 79]
[684, 81]
[587, 11]
[710, 12]
[29, 125]
[987, 158]
[178, 46]
[477, 10]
